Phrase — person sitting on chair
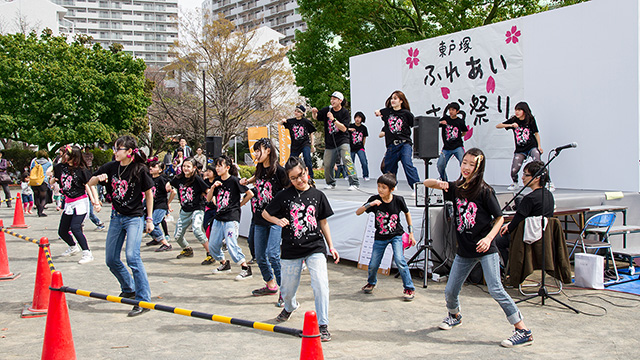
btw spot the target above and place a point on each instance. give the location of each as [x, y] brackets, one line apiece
[530, 205]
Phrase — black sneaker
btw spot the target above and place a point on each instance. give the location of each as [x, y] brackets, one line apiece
[128, 295]
[244, 274]
[208, 260]
[252, 261]
[153, 242]
[137, 310]
[520, 337]
[164, 247]
[264, 291]
[223, 268]
[285, 315]
[186, 252]
[325, 335]
[368, 288]
[450, 322]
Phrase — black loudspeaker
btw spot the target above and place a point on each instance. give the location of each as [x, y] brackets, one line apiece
[425, 137]
[214, 146]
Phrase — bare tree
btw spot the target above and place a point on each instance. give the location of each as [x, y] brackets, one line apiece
[248, 81]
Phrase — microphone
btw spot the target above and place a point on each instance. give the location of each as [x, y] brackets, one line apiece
[560, 148]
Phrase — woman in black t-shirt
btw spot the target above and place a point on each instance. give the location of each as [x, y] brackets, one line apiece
[478, 220]
[127, 179]
[398, 122]
[72, 175]
[526, 137]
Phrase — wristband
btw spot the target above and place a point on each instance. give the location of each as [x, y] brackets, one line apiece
[410, 228]
[367, 205]
[149, 218]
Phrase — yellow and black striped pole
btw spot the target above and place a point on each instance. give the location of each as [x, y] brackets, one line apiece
[23, 237]
[185, 312]
[9, 199]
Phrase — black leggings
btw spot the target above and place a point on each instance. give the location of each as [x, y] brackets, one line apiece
[7, 193]
[73, 223]
[164, 227]
[40, 197]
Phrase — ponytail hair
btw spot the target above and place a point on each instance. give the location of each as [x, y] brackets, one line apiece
[75, 160]
[225, 160]
[293, 162]
[138, 158]
[474, 185]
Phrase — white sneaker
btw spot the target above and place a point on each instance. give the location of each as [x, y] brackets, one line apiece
[366, 179]
[353, 187]
[72, 250]
[513, 187]
[87, 257]
[329, 187]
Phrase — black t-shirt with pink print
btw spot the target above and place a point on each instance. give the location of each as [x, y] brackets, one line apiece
[523, 134]
[387, 217]
[474, 219]
[333, 137]
[159, 191]
[397, 125]
[190, 192]
[452, 132]
[357, 136]
[126, 193]
[72, 181]
[304, 209]
[300, 132]
[264, 192]
[228, 196]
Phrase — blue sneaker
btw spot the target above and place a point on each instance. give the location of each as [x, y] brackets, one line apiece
[450, 322]
[520, 337]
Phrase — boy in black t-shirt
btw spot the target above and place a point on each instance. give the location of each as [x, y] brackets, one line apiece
[301, 132]
[302, 212]
[161, 206]
[358, 137]
[387, 208]
[453, 131]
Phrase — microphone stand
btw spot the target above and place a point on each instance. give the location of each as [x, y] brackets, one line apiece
[542, 291]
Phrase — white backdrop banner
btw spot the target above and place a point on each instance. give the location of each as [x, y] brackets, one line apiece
[481, 69]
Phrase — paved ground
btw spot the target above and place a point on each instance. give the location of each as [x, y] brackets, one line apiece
[373, 326]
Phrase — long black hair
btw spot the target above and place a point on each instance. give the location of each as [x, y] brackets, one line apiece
[225, 160]
[527, 111]
[75, 160]
[196, 170]
[138, 158]
[472, 187]
[261, 171]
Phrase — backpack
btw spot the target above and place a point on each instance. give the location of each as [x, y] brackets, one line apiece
[36, 176]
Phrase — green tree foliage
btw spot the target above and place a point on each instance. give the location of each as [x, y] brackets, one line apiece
[339, 29]
[54, 92]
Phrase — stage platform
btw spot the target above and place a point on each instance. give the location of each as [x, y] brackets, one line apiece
[347, 229]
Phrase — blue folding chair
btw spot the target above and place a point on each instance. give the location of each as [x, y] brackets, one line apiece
[602, 221]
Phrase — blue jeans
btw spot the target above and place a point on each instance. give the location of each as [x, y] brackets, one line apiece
[158, 215]
[94, 218]
[363, 161]
[267, 242]
[490, 263]
[317, 265]
[445, 155]
[251, 241]
[227, 230]
[379, 246]
[131, 227]
[306, 154]
[403, 153]
[329, 160]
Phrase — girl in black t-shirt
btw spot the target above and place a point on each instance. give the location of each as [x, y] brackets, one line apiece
[209, 207]
[478, 220]
[161, 206]
[398, 122]
[72, 175]
[358, 134]
[191, 190]
[387, 208]
[302, 212]
[526, 137]
[269, 179]
[453, 131]
[301, 132]
[226, 192]
[127, 179]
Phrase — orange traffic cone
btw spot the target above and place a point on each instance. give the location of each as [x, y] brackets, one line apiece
[18, 214]
[58, 340]
[41, 290]
[311, 345]
[5, 274]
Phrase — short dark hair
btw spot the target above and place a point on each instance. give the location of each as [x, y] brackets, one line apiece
[388, 179]
[533, 167]
[361, 115]
[453, 105]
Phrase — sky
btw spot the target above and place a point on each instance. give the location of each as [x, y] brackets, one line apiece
[189, 4]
